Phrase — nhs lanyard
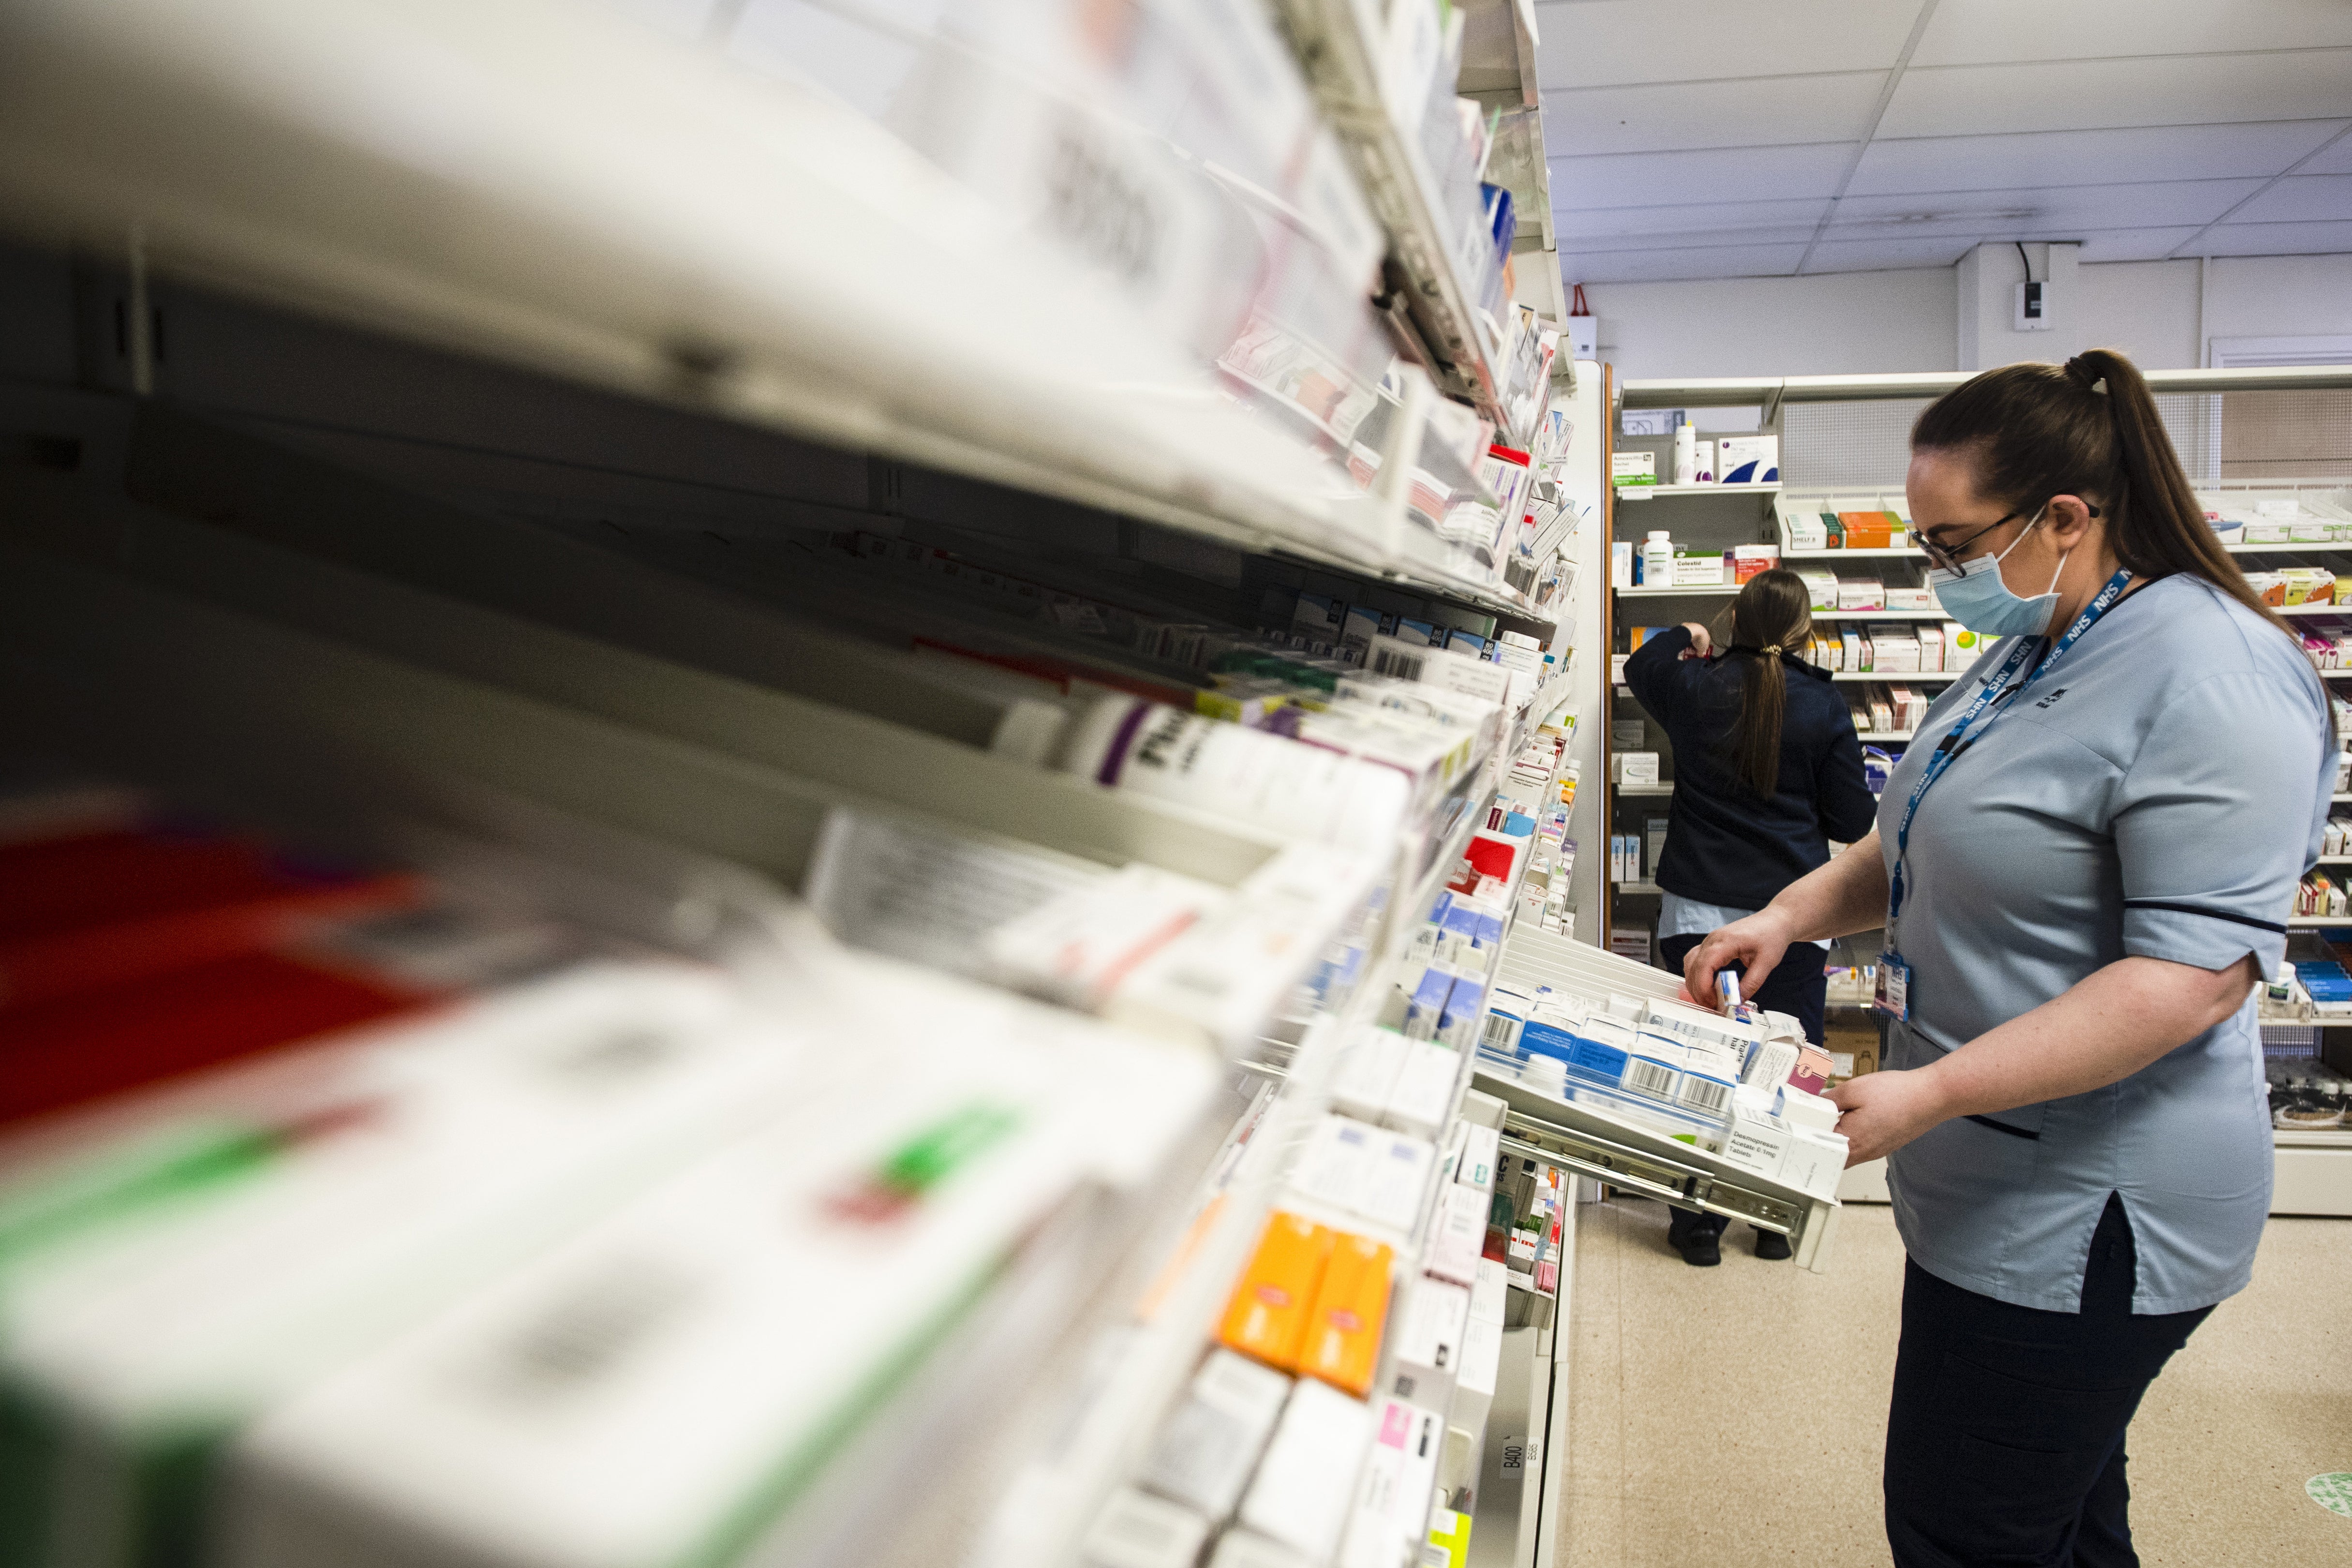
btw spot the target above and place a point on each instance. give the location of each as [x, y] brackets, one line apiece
[1995, 688]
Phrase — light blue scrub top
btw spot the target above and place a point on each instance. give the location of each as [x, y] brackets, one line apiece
[2158, 792]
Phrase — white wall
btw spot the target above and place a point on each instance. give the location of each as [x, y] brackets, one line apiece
[1831, 324]
[1865, 321]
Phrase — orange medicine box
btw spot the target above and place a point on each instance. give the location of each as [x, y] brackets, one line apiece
[1870, 530]
[1343, 1331]
[1267, 1315]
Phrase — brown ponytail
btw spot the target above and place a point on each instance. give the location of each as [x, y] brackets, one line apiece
[2088, 428]
[1772, 616]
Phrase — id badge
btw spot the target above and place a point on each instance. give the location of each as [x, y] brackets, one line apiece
[1894, 997]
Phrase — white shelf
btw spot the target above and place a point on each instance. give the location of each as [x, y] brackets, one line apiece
[1641, 889]
[1884, 734]
[1880, 615]
[1646, 593]
[1646, 790]
[2312, 609]
[2289, 549]
[610, 243]
[2341, 799]
[1906, 553]
[2309, 920]
[2334, 860]
[1895, 676]
[1343, 67]
[1643, 493]
[2335, 674]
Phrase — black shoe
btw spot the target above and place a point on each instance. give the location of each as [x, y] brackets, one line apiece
[1771, 1244]
[1700, 1243]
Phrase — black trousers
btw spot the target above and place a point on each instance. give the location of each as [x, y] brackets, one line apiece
[1797, 986]
[2005, 1438]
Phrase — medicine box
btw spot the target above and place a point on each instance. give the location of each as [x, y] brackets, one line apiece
[1135, 1530]
[1203, 1453]
[1748, 459]
[1267, 1316]
[1635, 468]
[1637, 768]
[1342, 1344]
[1307, 1480]
[1425, 1341]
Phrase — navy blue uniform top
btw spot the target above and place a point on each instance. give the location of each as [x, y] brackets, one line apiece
[1725, 844]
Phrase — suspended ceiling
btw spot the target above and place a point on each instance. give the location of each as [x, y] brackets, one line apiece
[1741, 138]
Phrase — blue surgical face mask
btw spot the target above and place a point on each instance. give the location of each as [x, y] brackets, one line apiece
[1977, 597]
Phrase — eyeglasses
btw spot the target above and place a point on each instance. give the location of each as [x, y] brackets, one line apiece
[1946, 557]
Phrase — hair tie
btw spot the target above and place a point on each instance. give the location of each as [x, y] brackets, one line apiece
[1771, 647]
[2082, 373]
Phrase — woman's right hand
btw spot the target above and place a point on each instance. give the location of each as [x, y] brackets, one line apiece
[1755, 945]
[1702, 641]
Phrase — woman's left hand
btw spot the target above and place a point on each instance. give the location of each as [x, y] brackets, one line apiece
[1884, 1111]
[1702, 641]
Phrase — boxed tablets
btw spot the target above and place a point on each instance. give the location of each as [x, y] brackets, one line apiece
[1748, 561]
[1699, 569]
[620, 1395]
[1804, 530]
[1899, 597]
[1635, 468]
[1368, 1073]
[1307, 1480]
[1395, 1492]
[1342, 1342]
[1637, 768]
[1371, 1172]
[1861, 593]
[1457, 1236]
[1482, 1149]
[1748, 459]
[1203, 1453]
[1425, 1349]
[1422, 1098]
[1823, 587]
[1137, 1530]
[1266, 1315]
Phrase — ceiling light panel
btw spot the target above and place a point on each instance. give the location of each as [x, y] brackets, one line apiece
[2275, 240]
[2086, 157]
[1748, 113]
[1667, 222]
[1679, 265]
[1991, 32]
[1714, 174]
[2082, 95]
[1998, 215]
[1616, 43]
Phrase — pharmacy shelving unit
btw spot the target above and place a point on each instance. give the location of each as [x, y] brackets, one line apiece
[516, 492]
[2246, 436]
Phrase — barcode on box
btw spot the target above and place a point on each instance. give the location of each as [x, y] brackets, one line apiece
[1405, 666]
[1651, 1078]
[1498, 1031]
[1706, 1094]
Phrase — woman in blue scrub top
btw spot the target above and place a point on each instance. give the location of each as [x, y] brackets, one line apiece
[2084, 867]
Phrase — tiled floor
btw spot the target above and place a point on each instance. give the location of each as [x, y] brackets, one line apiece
[1734, 1415]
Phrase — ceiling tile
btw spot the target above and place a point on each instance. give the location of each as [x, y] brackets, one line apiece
[2301, 198]
[1672, 224]
[1755, 112]
[1694, 262]
[1640, 179]
[2086, 157]
[1984, 32]
[2335, 160]
[2081, 95]
[1574, 233]
[2132, 244]
[1613, 43]
[1886, 255]
[2274, 239]
[2000, 213]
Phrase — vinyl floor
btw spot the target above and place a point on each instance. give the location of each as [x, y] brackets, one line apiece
[1733, 1415]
